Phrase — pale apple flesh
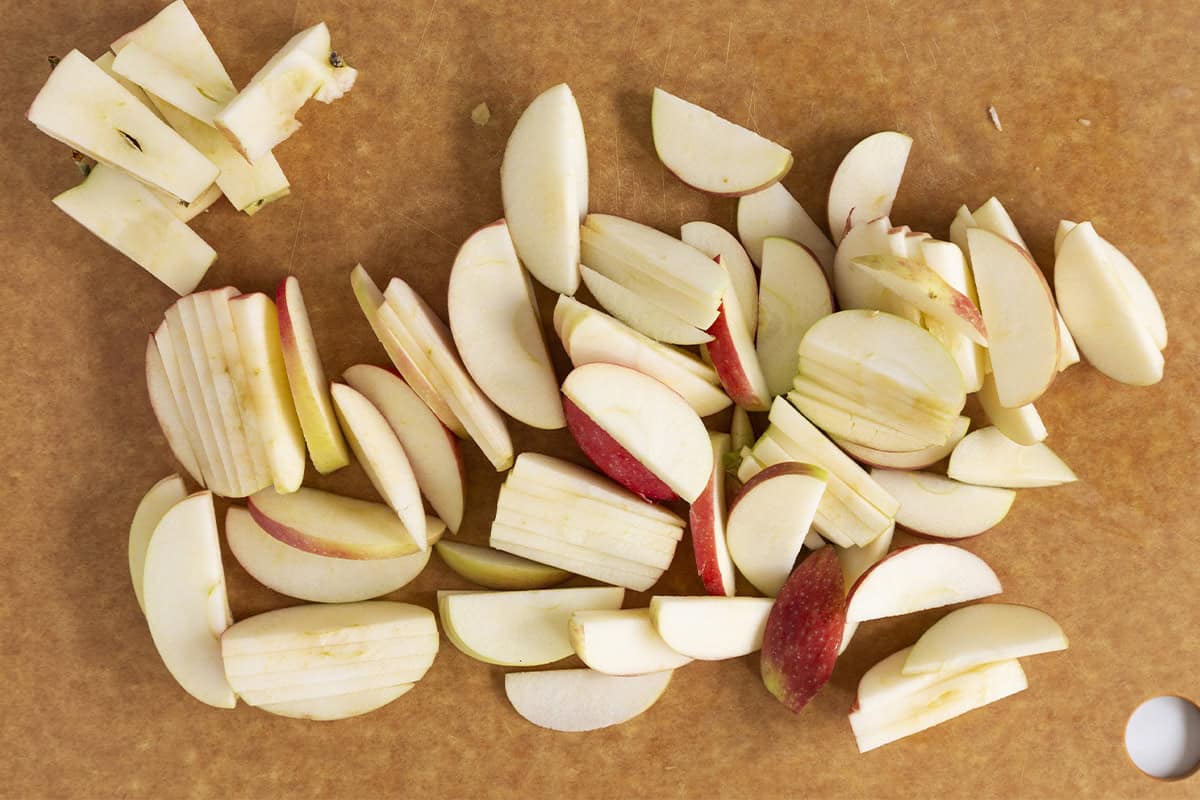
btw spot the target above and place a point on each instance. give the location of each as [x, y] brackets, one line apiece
[920, 285]
[493, 569]
[933, 505]
[774, 212]
[735, 359]
[793, 295]
[867, 180]
[176, 428]
[331, 525]
[716, 242]
[582, 699]
[982, 634]
[621, 642]
[912, 459]
[711, 628]
[153, 506]
[639, 313]
[987, 457]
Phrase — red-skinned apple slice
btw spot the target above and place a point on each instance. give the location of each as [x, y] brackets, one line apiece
[867, 180]
[650, 424]
[161, 497]
[639, 313]
[987, 457]
[917, 578]
[710, 153]
[582, 699]
[707, 524]
[926, 290]
[716, 242]
[853, 286]
[711, 628]
[735, 359]
[804, 629]
[612, 458]
[982, 634]
[793, 294]
[913, 459]
[769, 520]
[933, 505]
[545, 474]
[331, 525]
[170, 418]
[1022, 424]
[774, 212]
[496, 570]
[621, 642]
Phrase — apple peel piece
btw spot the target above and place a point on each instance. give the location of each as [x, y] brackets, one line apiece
[494, 569]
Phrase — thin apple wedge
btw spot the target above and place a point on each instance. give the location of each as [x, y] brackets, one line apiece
[582, 699]
[621, 642]
[716, 242]
[338, 706]
[331, 525]
[912, 459]
[857, 560]
[741, 431]
[154, 505]
[1022, 424]
[853, 286]
[917, 578]
[793, 295]
[493, 569]
[182, 382]
[734, 358]
[711, 628]
[987, 457]
[177, 429]
[637, 312]
[926, 290]
[933, 505]
[707, 521]
[867, 180]
[983, 634]
[774, 212]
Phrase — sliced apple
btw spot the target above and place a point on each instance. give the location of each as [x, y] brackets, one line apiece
[854, 287]
[926, 290]
[741, 432]
[856, 561]
[621, 642]
[987, 457]
[982, 634]
[176, 428]
[735, 359]
[563, 482]
[707, 523]
[639, 313]
[793, 295]
[1022, 424]
[338, 706]
[161, 497]
[496, 570]
[920, 577]
[105, 61]
[524, 628]
[933, 505]
[867, 180]
[774, 212]
[948, 261]
[716, 242]
[190, 406]
[963, 220]
[183, 586]
[582, 699]
[711, 628]
[912, 459]
[331, 525]
[581, 561]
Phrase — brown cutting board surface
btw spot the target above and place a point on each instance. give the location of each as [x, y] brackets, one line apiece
[1100, 121]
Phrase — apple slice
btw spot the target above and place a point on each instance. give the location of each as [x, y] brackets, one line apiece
[948, 261]
[933, 505]
[581, 561]
[707, 522]
[769, 520]
[735, 359]
[618, 642]
[853, 286]
[319, 579]
[175, 427]
[161, 497]
[867, 180]
[338, 706]
[183, 586]
[184, 390]
[716, 242]
[711, 628]
[1020, 314]
[1022, 424]
[647, 422]
[641, 314]
[926, 290]
[857, 560]
[1101, 313]
[105, 61]
[570, 482]
[987, 457]
[524, 628]
[544, 185]
[793, 295]
[741, 432]
[494, 320]
[804, 629]
[85, 109]
[331, 525]
[496, 570]
[982, 634]
[963, 220]
[919, 577]
[912, 459]
[582, 699]
[431, 449]
[774, 212]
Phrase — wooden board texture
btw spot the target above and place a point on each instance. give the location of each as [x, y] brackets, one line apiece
[1100, 107]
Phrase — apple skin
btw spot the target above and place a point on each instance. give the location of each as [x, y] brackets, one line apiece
[614, 460]
[783, 468]
[804, 631]
[706, 518]
[729, 366]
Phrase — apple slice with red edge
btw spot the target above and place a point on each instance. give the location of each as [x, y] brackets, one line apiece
[937, 506]
[711, 628]
[707, 523]
[867, 180]
[983, 634]
[911, 459]
[621, 642]
[915, 283]
[716, 242]
[987, 457]
[735, 359]
[793, 294]
[920, 577]
[948, 261]
[331, 525]
[775, 212]
[853, 286]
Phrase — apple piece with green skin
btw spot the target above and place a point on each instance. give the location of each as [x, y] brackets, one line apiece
[160, 499]
[716, 242]
[643, 315]
[493, 569]
[804, 629]
[917, 578]
[855, 288]
[926, 290]
[330, 525]
[573, 700]
[735, 359]
[621, 642]
[183, 585]
[987, 457]
[431, 449]
[936, 506]
[176, 429]
[983, 634]
[641, 421]
[1022, 424]
[711, 628]
[913, 459]
[315, 578]
[523, 628]
[769, 520]
[867, 180]
[710, 153]
[706, 520]
[793, 294]
[338, 706]
[774, 212]
[544, 186]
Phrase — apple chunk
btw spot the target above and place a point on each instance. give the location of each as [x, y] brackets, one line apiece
[933, 505]
[854, 286]
[774, 212]
[716, 242]
[867, 180]
[919, 577]
[331, 525]
[707, 518]
[582, 699]
[711, 628]
[987, 457]
[792, 296]
[496, 570]
[982, 634]
[621, 642]
[161, 497]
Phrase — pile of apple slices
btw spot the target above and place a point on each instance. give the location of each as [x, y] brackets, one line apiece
[170, 134]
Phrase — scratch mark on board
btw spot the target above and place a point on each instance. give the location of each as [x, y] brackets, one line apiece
[295, 239]
[729, 43]
[409, 220]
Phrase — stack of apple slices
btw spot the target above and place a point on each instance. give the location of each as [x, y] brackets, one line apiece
[560, 514]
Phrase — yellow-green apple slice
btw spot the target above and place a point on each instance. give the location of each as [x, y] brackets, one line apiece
[912, 459]
[926, 290]
[710, 153]
[741, 432]
[306, 377]
[774, 212]
[263, 114]
[917, 704]
[175, 427]
[191, 411]
[983, 634]
[338, 706]
[591, 336]
[987, 457]
[640, 313]
[804, 629]
[711, 628]
[319, 579]
[1101, 312]
[582, 699]
[85, 109]
[707, 524]
[639, 432]
[920, 577]
[127, 216]
[228, 342]
[1022, 424]
[852, 285]
[581, 561]
[621, 642]
[257, 324]
[524, 628]
[1023, 345]
[867, 180]
[936, 506]
[544, 186]
[948, 261]
[574, 481]
[493, 569]
[714, 241]
[331, 525]
[183, 585]
[769, 520]
[793, 294]
[494, 320]
[431, 449]
[154, 505]
[734, 358]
